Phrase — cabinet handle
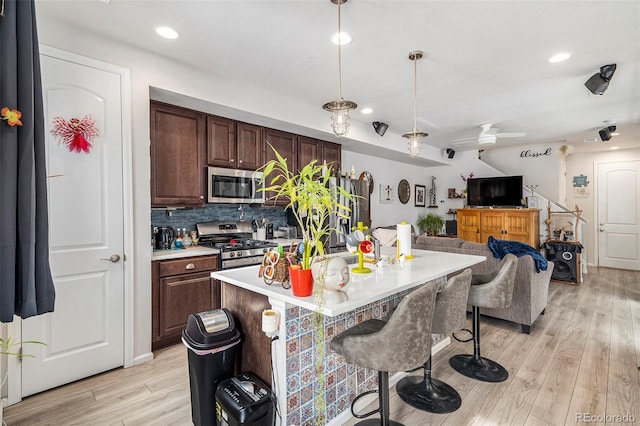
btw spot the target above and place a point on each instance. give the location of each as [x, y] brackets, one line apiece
[190, 266]
[231, 160]
[240, 161]
[202, 197]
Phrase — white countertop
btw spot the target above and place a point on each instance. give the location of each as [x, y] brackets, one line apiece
[203, 251]
[185, 252]
[362, 288]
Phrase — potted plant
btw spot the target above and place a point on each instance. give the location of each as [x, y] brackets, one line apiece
[431, 224]
[312, 201]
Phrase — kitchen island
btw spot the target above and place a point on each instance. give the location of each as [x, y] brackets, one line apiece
[297, 347]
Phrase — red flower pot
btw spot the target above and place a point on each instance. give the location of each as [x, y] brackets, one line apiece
[301, 282]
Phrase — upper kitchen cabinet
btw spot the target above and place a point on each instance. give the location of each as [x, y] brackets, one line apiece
[287, 146]
[332, 154]
[309, 150]
[233, 144]
[178, 150]
[314, 149]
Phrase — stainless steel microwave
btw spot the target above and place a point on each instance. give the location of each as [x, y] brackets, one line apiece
[234, 186]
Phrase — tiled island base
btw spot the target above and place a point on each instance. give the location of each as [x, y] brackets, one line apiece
[324, 395]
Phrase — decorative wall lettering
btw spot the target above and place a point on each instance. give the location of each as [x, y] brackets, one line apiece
[530, 154]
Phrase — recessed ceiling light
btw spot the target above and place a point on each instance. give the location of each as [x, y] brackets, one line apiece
[559, 57]
[341, 38]
[366, 110]
[167, 32]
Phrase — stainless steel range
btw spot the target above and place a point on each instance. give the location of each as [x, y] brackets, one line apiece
[234, 241]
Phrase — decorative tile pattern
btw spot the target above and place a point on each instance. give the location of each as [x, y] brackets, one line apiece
[187, 218]
[342, 381]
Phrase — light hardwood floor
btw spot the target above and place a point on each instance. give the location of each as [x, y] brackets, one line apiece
[581, 358]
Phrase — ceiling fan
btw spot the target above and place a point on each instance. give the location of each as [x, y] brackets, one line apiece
[488, 135]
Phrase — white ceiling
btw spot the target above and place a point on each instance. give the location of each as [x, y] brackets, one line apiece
[485, 61]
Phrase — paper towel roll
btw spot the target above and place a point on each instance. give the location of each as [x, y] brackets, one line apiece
[404, 239]
[270, 321]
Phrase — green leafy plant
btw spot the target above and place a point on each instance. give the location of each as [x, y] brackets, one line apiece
[431, 224]
[7, 347]
[311, 200]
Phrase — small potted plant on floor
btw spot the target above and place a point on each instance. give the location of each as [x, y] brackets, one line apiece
[312, 201]
[431, 224]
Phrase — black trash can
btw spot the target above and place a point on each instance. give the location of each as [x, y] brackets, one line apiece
[245, 400]
[212, 342]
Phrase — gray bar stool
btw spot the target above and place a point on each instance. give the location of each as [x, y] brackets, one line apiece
[493, 290]
[401, 343]
[427, 393]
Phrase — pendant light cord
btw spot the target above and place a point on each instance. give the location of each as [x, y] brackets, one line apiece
[415, 90]
[339, 54]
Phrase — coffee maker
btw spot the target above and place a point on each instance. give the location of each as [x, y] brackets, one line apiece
[164, 236]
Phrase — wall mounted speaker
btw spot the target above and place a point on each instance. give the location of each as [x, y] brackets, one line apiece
[566, 260]
[380, 127]
[599, 82]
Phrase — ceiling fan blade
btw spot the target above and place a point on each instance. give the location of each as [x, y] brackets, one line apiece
[454, 141]
[462, 143]
[510, 135]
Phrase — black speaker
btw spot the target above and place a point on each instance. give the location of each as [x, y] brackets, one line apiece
[566, 258]
[599, 82]
[450, 153]
[451, 227]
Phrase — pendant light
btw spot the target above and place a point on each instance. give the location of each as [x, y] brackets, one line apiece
[340, 107]
[415, 136]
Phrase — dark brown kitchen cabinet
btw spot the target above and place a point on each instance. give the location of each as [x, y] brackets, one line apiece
[233, 144]
[314, 149]
[181, 287]
[177, 156]
[332, 154]
[308, 150]
[287, 146]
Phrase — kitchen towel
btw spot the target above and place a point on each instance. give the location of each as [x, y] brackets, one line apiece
[404, 239]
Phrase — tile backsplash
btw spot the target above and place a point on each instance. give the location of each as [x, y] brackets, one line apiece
[187, 218]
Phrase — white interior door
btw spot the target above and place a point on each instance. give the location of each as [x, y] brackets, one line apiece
[85, 333]
[618, 208]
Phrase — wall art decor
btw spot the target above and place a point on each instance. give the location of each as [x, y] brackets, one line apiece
[76, 134]
[420, 195]
[387, 193]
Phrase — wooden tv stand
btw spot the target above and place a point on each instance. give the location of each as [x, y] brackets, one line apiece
[502, 224]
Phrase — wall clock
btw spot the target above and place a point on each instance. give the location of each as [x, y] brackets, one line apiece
[404, 191]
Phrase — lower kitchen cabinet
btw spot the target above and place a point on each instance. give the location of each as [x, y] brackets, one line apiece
[181, 287]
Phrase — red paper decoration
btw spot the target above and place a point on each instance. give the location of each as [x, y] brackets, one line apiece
[76, 134]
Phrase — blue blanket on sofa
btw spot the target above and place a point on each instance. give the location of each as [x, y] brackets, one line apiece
[500, 248]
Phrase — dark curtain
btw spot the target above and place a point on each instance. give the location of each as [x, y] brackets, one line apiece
[26, 286]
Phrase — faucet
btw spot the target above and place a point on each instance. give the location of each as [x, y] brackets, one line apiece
[241, 212]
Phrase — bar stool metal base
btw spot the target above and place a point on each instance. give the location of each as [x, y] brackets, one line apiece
[377, 422]
[479, 368]
[383, 408]
[431, 395]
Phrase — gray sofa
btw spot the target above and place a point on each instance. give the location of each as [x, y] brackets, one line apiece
[531, 287]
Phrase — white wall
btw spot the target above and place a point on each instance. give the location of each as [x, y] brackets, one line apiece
[389, 172]
[539, 164]
[585, 164]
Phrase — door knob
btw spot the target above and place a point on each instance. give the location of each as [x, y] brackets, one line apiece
[114, 258]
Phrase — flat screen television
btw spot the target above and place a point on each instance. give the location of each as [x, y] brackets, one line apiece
[501, 191]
